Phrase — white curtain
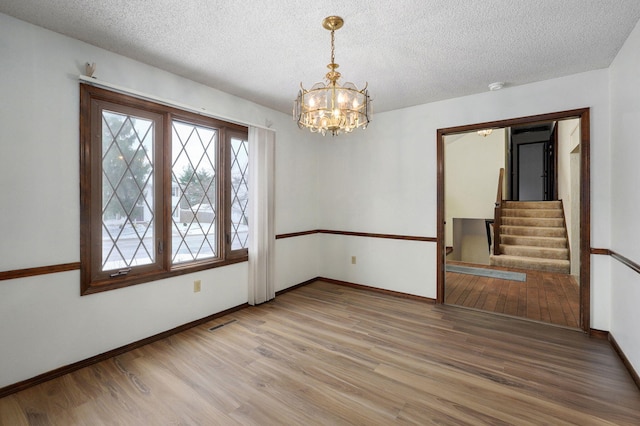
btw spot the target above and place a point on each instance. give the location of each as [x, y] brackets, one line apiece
[261, 212]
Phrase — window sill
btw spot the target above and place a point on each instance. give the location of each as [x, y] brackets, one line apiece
[126, 281]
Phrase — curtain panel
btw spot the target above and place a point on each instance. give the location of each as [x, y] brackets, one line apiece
[261, 215]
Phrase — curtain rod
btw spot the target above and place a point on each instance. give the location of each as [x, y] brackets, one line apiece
[126, 91]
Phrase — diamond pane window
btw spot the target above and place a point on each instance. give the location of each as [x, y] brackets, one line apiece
[194, 209]
[127, 191]
[239, 193]
[163, 191]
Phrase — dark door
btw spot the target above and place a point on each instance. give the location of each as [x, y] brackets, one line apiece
[531, 174]
[533, 166]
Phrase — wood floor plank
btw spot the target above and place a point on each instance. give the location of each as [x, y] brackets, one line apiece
[12, 413]
[554, 300]
[545, 316]
[330, 354]
[492, 293]
[522, 300]
[533, 297]
[459, 292]
[571, 292]
[544, 296]
[475, 289]
[503, 295]
[513, 299]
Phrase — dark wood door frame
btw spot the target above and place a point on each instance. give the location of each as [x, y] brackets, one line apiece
[585, 198]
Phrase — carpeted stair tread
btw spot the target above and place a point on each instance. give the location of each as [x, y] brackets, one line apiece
[533, 221]
[538, 231]
[541, 213]
[532, 204]
[520, 262]
[536, 252]
[533, 236]
[536, 241]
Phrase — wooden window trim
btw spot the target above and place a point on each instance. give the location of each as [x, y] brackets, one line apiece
[90, 192]
[227, 201]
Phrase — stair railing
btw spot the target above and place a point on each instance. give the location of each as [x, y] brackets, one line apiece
[497, 214]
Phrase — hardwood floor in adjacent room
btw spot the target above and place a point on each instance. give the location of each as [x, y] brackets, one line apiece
[330, 354]
[544, 296]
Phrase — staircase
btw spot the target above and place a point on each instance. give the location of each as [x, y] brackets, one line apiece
[533, 236]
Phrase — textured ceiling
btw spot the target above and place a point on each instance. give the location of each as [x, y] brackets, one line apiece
[409, 51]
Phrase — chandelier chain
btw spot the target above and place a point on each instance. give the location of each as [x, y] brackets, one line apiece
[333, 48]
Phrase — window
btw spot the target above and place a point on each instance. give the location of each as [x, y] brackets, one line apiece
[163, 191]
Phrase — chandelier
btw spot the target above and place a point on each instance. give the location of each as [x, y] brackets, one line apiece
[331, 107]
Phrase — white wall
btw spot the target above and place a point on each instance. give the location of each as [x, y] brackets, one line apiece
[383, 179]
[388, 264]
[569, 185]
[297, 259]
[470, 243]
[472, 168]
[564, 129]
[45, 322]
[625, 197]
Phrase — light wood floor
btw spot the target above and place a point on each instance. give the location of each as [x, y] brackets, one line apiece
[331, 355]
[545, 296]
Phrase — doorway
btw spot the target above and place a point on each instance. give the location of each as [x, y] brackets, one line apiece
[545, 187]
[530, 182]
[533, 162]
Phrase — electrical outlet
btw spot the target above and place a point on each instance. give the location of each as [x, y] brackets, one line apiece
[196, 286]
[353, 260]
